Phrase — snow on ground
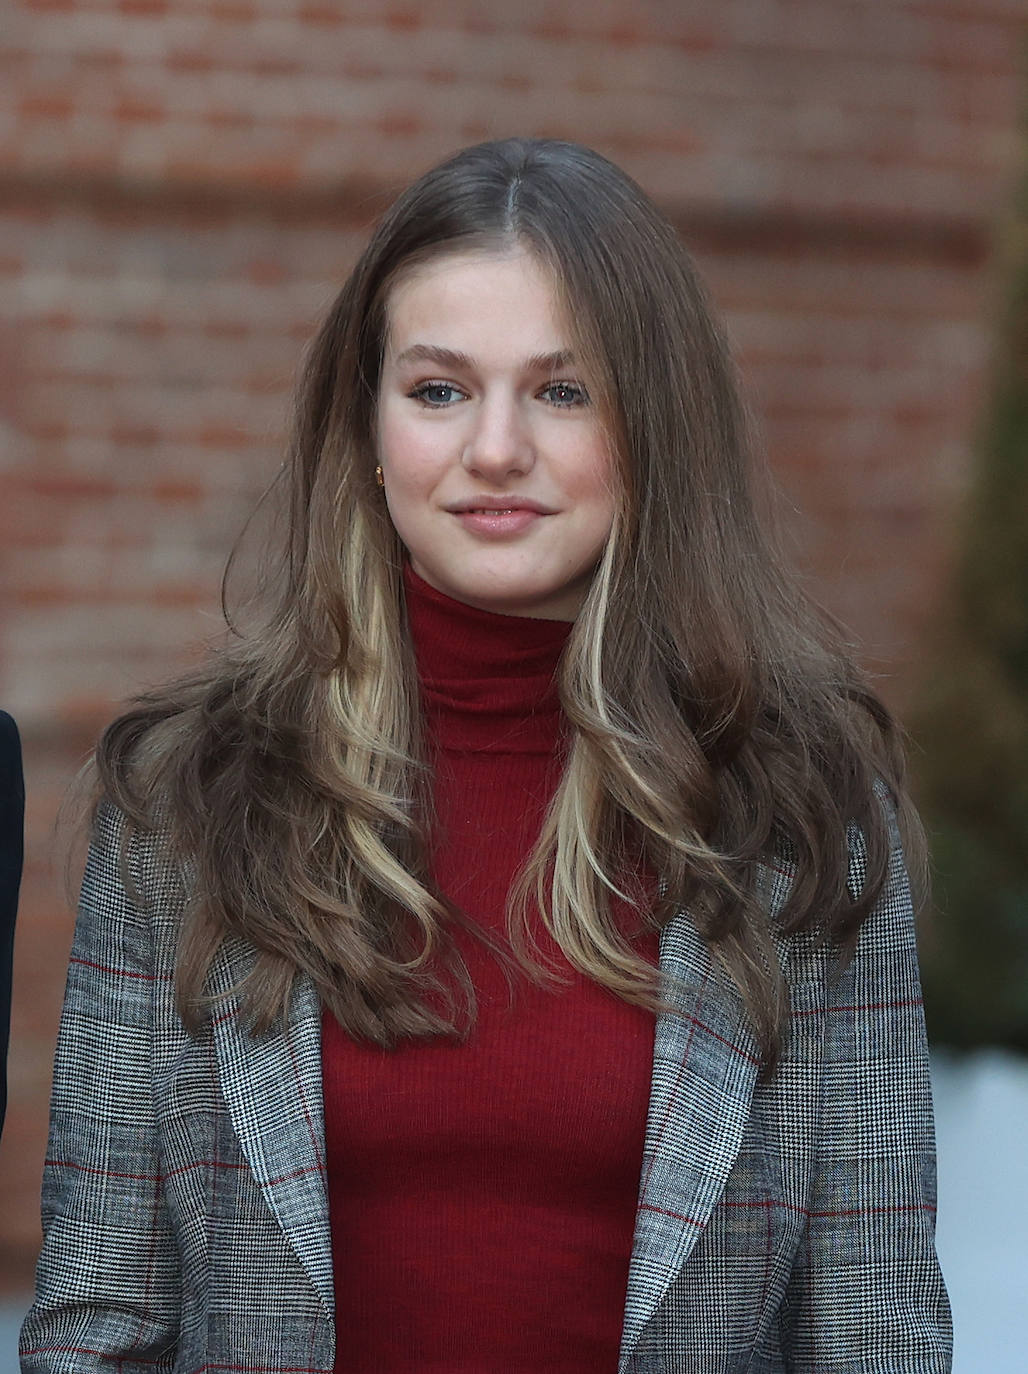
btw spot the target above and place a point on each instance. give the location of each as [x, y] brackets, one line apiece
[981, 1108]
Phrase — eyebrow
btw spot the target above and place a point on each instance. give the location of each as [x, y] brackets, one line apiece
[447, 357]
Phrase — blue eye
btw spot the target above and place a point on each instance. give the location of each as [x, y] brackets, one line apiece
[565, 394]
[437, 394]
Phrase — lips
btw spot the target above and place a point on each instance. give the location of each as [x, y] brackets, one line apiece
[494, 521]
[484, 505]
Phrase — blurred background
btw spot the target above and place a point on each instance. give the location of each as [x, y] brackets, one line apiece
[185, 184]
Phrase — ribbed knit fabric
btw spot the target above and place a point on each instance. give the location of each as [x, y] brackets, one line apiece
[482, 1196]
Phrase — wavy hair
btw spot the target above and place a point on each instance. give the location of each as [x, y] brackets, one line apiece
[718, 721]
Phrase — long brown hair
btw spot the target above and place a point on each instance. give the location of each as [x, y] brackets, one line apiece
[717, 719]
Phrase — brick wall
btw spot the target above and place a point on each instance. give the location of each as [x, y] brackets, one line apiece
[186, 184]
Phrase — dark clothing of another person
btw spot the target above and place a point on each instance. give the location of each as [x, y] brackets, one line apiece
[12, 814]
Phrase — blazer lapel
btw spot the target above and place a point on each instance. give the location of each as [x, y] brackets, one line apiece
[705, 1066]
[272, 1087]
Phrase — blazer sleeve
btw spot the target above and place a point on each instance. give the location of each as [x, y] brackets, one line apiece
[866, 1293]
[108, 1283]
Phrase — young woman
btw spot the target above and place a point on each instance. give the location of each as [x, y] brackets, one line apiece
[501, 957]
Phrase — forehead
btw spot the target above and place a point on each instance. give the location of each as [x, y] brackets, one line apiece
[497, 298]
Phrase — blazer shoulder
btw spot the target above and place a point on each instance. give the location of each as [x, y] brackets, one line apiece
[12, 813]
[11, 781]
[132, 870]
[808, 954]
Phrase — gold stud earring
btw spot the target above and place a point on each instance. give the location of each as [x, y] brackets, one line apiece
[378, 476]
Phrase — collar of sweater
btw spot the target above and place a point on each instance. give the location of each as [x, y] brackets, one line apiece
[488, 681]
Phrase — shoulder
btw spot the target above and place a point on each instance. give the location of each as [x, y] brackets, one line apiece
[131, 872]
[874, 848]
[12, 802]
[10, 752]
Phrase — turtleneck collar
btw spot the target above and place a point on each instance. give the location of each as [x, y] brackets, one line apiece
[487, 680]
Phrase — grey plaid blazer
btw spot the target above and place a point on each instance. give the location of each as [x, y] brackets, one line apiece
[782, 1226]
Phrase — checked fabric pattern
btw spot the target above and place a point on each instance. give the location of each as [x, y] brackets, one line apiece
[789, 1226]
[782, 1226]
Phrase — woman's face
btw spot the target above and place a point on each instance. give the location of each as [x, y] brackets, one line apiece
[498, 472]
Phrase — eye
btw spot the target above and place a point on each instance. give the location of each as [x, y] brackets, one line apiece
[436, 394]
[565, 394]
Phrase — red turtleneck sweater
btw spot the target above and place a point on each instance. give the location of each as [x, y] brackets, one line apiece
[482, 1196]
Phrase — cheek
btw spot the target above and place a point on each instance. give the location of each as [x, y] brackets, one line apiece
[593, 484]
[411, 456]
[602, 522]
[389, 435]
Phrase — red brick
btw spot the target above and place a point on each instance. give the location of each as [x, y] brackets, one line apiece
[221, 436]
[47, 105]
[265, 271]
[321, 16]
[53, 429]
[96, 161]
[273, 172]
[69, 486]
[553, 27]
[222, 118]
[515, 81]
[232, 11]
[268, 64]
[134, 435]
[398, 124]
[190, 60]
[628, 33]
[360, 69]
[60, 320]
[142, 7]
[403, 20]
[137, 111]
[103, 61]
[170, 490]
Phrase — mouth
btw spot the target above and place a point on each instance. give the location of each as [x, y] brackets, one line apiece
[484, 506]
[494, 521]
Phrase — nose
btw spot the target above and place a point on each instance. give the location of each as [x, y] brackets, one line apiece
[500, 444]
